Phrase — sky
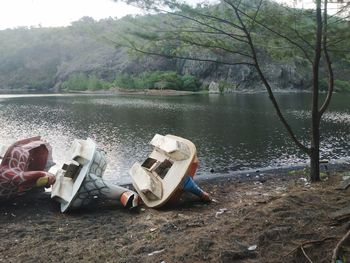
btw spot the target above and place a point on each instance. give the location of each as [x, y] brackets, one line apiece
[49, 13]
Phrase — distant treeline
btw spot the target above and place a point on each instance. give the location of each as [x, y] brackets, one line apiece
[146, 80]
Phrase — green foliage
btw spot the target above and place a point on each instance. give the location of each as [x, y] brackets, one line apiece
[76, 82]
[339, 85]
[81, 82]
[223, 85]
[323, 84]
[324, 176]
[125, 81]
[190, 83]
[157, 80]
[342, 85]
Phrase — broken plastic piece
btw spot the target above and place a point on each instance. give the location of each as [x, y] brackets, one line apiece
[252, 248]
[23, 167]
[129, 199]
[80, 182]
[156, 252]
[221, 211]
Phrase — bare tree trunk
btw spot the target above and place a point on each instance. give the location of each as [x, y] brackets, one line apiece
[315, 126]
[315, 159]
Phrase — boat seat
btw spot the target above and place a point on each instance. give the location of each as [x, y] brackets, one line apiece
[147, 182]
[172, 148]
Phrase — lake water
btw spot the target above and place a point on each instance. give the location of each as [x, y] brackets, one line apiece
[232, 132]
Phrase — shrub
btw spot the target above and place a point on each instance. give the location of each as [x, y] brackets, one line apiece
[190, 82]
[80, 82]
[158, 80]
[342, 85]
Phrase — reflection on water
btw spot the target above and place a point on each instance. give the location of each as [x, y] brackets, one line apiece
[231, 132]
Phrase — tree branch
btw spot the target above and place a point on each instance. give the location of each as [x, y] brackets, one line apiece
[212, 46]
[196, 31]
[271, 30]
[336, 42]
[133, 47]
[190, 58]
[206, 25]
[255, 16]
[340, 10]
[266, 83]
[206, 45]
[328, 64]
[303, 39]
[343, 19]
[217, 19]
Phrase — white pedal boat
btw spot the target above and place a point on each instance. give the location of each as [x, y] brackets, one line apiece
[168, 170]
[80, 181]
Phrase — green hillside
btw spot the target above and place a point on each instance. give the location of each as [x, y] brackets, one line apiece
[85, 56]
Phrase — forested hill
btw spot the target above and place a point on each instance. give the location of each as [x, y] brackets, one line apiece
[82, 56]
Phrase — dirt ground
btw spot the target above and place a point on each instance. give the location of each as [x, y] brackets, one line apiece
[270, 219]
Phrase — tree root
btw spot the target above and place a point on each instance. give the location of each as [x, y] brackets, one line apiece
[307, 257]
[338, 246]
[301, 247]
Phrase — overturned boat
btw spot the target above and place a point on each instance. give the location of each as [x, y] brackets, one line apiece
[24, 167]
[168, 171]
[80, 181]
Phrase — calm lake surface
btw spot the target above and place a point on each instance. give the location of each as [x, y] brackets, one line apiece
[232, 132]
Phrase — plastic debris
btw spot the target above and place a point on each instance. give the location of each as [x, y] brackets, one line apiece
[156, 252]
[221, 211]
[153, 229]
[214, 200]
[252, 248]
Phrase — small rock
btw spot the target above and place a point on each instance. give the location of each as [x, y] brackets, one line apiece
[204, 244]
[346, 177]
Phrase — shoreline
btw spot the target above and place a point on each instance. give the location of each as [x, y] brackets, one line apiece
[336, 165]
[251, 221]
[147, 92]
